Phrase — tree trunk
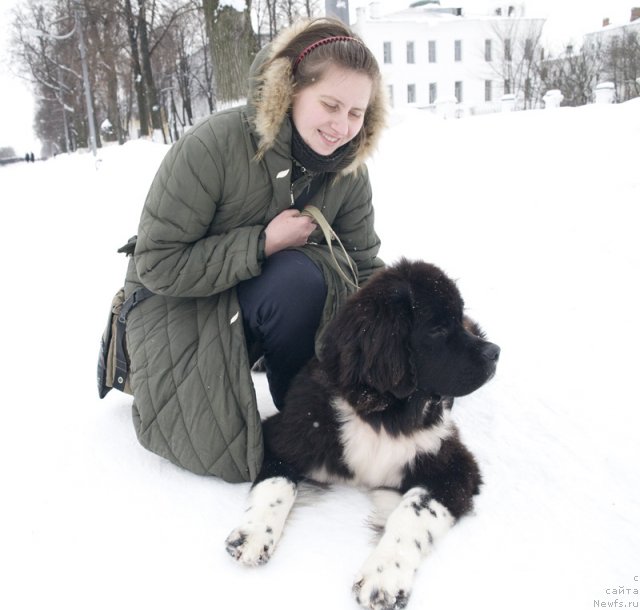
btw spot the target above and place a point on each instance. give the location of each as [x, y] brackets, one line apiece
[139, 85]
[228, 31]
[147, 72]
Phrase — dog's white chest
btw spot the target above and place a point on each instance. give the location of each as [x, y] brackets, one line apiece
[378, 459]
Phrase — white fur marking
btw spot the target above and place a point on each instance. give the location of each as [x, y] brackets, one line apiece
[254, 540]
[386, 577]
[385, 501]
[378, 459]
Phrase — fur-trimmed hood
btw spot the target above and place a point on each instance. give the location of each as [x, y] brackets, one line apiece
[271, 93]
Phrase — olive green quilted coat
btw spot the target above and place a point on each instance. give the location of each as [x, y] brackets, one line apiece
[199, 235]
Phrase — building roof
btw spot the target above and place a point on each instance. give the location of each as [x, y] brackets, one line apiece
[432, 12]
[612, 27]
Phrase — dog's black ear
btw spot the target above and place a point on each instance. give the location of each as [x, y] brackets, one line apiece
[368, 344]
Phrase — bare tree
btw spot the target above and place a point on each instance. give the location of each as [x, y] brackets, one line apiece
[622, 64]
[7, 152]
[155, 63]
[273, 15]
[574, 74]
[107, 43]
[577, 74]
[44, 44]
[292, 10]
[136, 68]
[180, 69]
[518, 58]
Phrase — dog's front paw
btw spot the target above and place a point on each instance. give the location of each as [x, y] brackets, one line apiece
[249, 546]
[253, 542]
[383, 585]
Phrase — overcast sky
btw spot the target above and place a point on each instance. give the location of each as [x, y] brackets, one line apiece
[567, 20]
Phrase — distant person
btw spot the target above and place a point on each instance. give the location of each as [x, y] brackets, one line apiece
[27, 157]
[32, 158]
[236, 270]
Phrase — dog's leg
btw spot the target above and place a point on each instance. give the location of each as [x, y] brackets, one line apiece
[254, 540]
[386, 578]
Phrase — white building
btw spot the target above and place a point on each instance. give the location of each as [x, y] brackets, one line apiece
[609, 31]
[623, 79]
[432, 55]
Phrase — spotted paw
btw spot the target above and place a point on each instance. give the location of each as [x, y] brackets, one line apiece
[253, 542]
[383, 585]
[250, 546]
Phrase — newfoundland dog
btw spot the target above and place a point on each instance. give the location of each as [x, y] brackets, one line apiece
[374, 411]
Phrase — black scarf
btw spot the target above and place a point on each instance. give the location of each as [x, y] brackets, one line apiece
[311, 161]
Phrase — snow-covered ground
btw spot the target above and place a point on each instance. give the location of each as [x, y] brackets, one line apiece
[537, 216]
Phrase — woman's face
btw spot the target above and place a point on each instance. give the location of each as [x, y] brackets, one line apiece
[330, 112]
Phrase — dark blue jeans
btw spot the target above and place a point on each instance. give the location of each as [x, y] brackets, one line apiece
[281, 309]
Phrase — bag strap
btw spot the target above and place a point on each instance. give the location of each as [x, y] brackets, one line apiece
[138, 295]
[329, 235]
[121, 372]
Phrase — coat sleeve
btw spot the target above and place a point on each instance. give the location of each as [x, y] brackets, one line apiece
[175, 255]
[354, 225]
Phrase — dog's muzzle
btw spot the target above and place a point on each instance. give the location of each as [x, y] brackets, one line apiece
[491, 352]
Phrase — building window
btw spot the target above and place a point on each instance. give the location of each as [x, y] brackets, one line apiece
[507, 86]
[387, 52]
[528, 49]
[433, 92]
[411, 58]
[432, 51]
[507, 49]
[458, 91]
[411, 94]
[457, 50]
[487, 49]
[487, 91]
[390, 94]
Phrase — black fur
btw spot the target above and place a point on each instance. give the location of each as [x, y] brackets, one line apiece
[398, 352]
[393, 360]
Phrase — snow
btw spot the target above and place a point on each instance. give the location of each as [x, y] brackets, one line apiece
[534, 213]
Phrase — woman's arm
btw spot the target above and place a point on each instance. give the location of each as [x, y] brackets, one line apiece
[174, 255]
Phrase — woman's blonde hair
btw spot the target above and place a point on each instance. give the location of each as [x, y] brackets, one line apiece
[321, 44]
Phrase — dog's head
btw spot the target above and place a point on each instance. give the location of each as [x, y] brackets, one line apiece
[404, 332]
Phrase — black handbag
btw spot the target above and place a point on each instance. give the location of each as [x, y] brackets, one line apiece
[113, 360]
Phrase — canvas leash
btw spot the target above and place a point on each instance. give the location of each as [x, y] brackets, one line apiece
[330, 235]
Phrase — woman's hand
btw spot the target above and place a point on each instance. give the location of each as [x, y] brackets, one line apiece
[289, 229]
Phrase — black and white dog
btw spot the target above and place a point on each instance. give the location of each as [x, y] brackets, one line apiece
[374, 411]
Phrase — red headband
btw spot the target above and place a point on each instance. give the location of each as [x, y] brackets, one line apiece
[319, 43]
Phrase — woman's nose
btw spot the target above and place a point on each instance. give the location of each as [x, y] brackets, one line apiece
[341, 124]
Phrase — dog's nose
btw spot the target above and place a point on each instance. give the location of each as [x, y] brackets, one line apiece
[491, 351]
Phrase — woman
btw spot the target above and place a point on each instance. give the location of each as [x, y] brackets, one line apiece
[234, 266]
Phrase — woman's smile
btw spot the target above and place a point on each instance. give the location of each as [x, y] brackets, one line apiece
[330, 113]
